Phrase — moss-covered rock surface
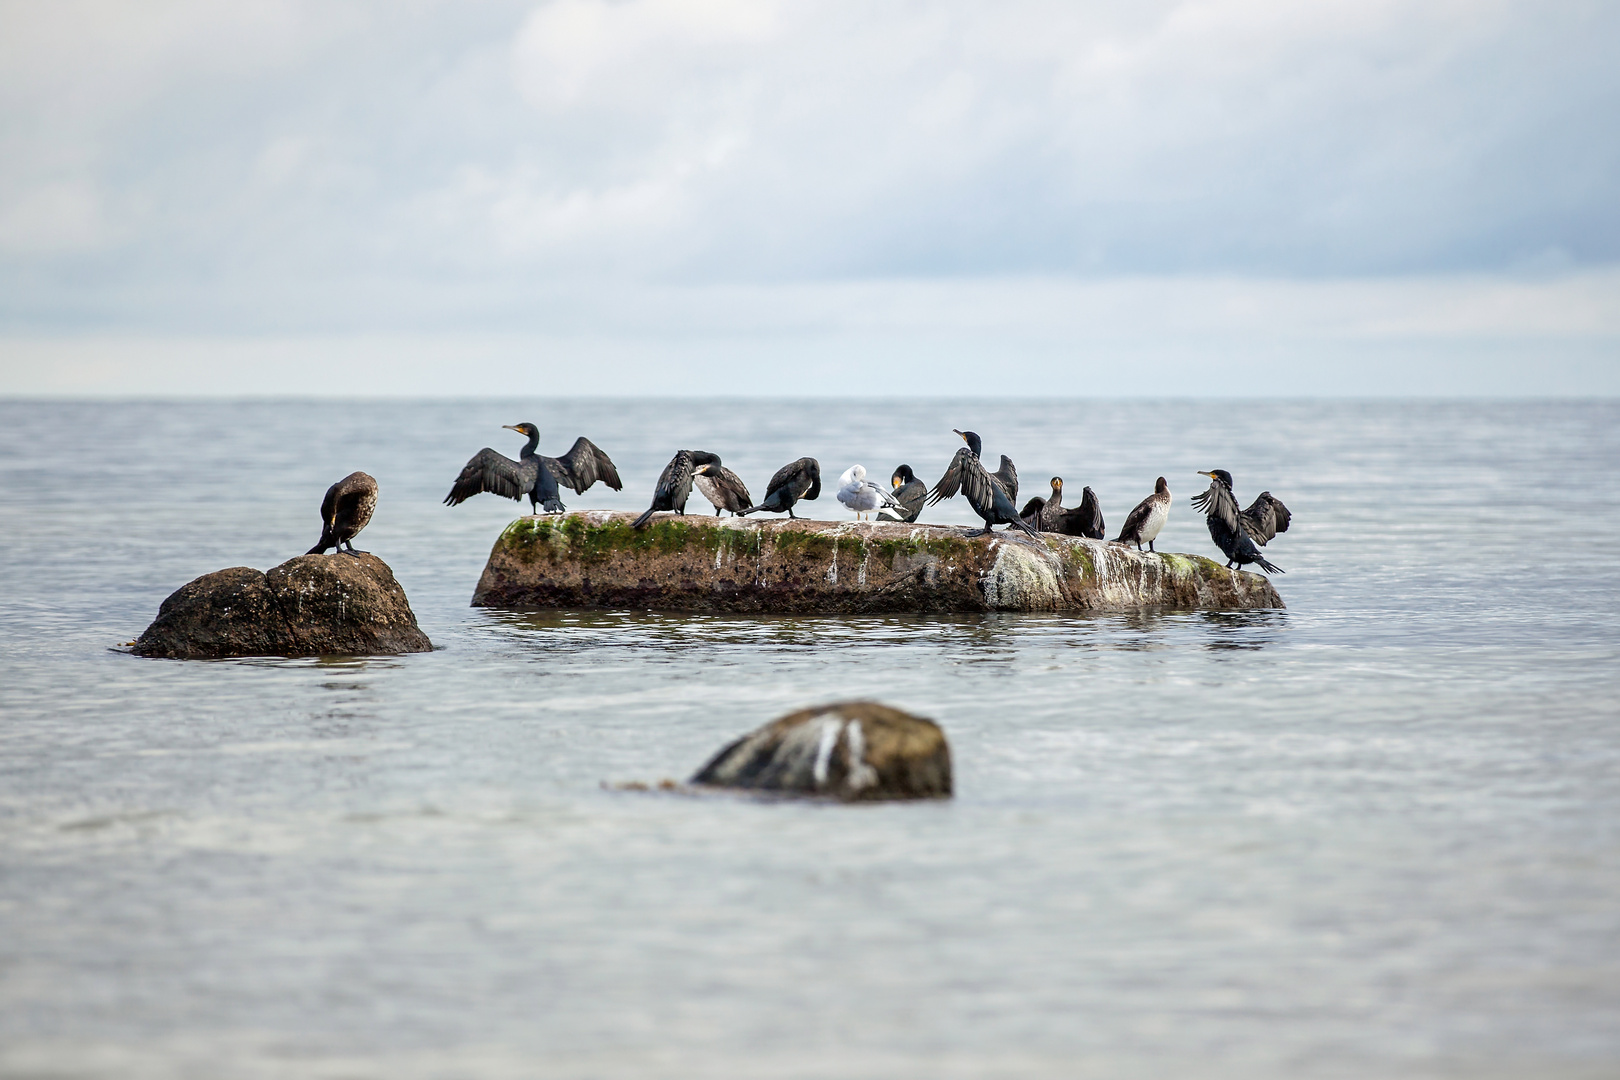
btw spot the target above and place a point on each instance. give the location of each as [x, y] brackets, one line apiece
[595, 559]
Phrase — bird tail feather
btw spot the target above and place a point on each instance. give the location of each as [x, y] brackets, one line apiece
[641, 521]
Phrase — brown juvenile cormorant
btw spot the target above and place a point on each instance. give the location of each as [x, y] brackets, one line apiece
[986, 493]
[909, 492]
[675, 483]
[723, 488]
[1143, 524]
[344, 512]
[534, 475]
[1227, 527]
[794, 482]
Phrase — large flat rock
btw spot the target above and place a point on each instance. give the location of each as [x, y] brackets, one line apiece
[594, 559]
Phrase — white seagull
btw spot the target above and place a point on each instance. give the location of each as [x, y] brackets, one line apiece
[860, 494]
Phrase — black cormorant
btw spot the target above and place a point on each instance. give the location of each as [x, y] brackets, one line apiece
[534, 475]
[794, 482]
[986, 493]
[344, 512]
[723, 488]
[1143, 524]
[909, 492]
[1085, 519]
[675, 483]
[1050, 515]
[1229, 528]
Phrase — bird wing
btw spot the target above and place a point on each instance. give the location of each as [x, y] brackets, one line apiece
[1088, 516]
[951, 482]
[584, 465]
[1135, 519]
[734, 484]
[1279, 513]
[329, 503]
[1034, 506]
[1007, 476]
[1217, 502]
[493, 472]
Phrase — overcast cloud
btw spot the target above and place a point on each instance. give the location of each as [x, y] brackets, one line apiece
[638, 182]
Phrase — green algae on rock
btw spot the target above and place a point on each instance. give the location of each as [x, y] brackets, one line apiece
[594, 559]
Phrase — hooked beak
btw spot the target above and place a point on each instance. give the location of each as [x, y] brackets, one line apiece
[1211, 475]
[964, 437]
[513, 427]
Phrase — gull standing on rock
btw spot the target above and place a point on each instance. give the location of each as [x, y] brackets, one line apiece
[861, 495]
[344, 512]
[1145, 522]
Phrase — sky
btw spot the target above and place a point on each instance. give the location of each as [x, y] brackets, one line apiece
[767, 197]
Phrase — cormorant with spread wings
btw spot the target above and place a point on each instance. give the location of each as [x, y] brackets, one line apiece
[991, 496]
[1050, 515]
[534, 475]
[1236, 533]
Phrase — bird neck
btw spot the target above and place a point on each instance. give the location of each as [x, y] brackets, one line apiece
[530, 446]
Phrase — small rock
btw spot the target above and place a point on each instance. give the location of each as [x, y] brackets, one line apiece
[314, 605]
[854, 750]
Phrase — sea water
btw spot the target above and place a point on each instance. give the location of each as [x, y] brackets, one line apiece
[1374, 834]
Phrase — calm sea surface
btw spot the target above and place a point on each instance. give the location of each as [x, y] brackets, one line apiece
[1374, 835]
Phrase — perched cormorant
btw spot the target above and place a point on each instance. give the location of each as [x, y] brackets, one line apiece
[1142, 525]
[534, 475]
[1227, 527]
[722, 487]
[344, 512]
[1050, 515]
[909, 492]
[861, 495]
[795, 481]
[986, 493]
[675, 483]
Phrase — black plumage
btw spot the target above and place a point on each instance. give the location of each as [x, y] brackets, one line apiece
[675, 483]
[534, 475]
[1050, 515]
[1266, 517]
[909, 492]
[986, 493]
[722, 487]
[1229, 528]
[797, 481]
[346, 510]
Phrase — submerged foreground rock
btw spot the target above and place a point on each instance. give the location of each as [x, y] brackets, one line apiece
[856, 751]
[314, 605]
[698, 563]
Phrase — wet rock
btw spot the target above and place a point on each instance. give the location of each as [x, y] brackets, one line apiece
[314, 605]
[856, 751]
[699, 563]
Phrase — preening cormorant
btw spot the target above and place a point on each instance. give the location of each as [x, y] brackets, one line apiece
[793, 482]
[723, 488]
[909, 492]
[1229, 528]
[987, 494]
[861, 495]
[675, 483]
[1142, 525]
[344, 512]
[534, 475]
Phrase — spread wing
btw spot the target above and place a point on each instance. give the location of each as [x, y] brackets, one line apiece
[1033, 508]
[1088, 516]
[1007, 476]
[583, 466]
[1266, 517]
[1217, 503]
[493, 472]
[951, 482]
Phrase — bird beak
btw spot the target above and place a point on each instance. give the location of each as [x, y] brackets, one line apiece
[512, 427]
[894, 482]
[1211, 475]
[964, 437]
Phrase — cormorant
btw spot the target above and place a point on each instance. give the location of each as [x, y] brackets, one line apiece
[861, 495]
[1050, 515]
[675, 483]
[723, 488]
[344, 512]
[1227, 527]
[795, 481]
[1142, 525]
[986, 493]
[909, 492]
[534, 475]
